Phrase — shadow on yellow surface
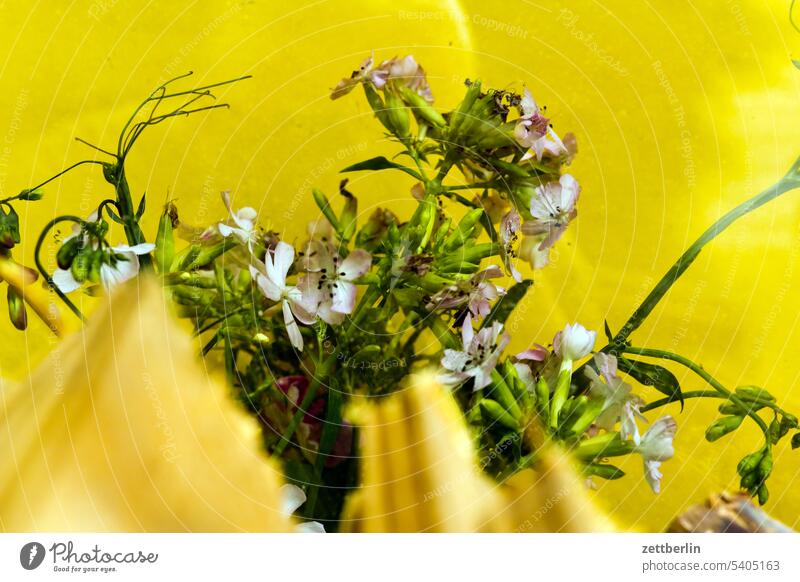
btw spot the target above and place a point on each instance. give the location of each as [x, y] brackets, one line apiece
[681, 111]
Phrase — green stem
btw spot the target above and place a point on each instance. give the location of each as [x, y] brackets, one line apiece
[709, 379]
[789, 182]
[708, 394]
[45, 274]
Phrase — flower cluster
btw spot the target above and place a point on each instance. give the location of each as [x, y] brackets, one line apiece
[303, 327]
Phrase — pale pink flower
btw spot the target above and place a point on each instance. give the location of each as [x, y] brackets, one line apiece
[553, 207]
[477, 292]
[270, 276]
[241, 224]
[478, 358]
[619, 404]
[329, 281]
[656, 447]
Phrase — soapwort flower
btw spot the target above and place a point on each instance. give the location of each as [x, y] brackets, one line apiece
[329, 282]
[292, 497]
[479, 356]
[553, 208]
[270, 276]
[404, 70]
[656, 447]
[478, 292]
[533, 132]
[619, 404]
[574, 342]
[241, 225]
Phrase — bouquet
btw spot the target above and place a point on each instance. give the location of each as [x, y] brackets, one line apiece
[307, 325]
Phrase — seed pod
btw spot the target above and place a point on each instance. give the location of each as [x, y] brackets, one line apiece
[66, 254]
[397, 115]
[465, 229]
[492, 411]
[723, 426]
[17, 312]
[80, 265]
[796, 440]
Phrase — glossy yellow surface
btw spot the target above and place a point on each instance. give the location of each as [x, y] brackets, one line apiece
[681, 111]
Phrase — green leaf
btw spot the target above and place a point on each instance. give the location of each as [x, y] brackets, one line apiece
[381, 163]
[609, 335]
[653, 375]
[142, 205]
[503, 308]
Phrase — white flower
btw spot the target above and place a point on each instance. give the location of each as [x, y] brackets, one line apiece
[553, 207]
[619, 404]
[242, 223]
[656, 447]
[479, 356]
[574, 342]
[271, 279]
[531, 252]
[329, 282]
[292, 497]
[119, 264]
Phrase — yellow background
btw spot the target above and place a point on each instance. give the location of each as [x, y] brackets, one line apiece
[682, 109]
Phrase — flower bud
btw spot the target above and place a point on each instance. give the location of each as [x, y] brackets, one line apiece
[609, 472]
[749, 463]
[66, 254]
[30, 195]
[422, 108]
[574, 342]
[17, 312]
[492, 411]
[722, 426]
[80, 265]
[765, 466]
[95, 264]
[763, 494]
[458, 116]
[9, 227]
[165, 238]
[377, 105]
[755, 392]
